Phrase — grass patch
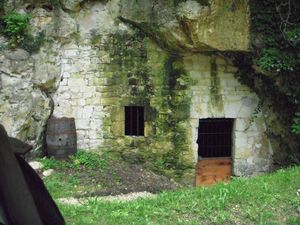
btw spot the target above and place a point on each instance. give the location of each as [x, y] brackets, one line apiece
[91, 174]
[77, 175]
[82, 159]
[267, 199]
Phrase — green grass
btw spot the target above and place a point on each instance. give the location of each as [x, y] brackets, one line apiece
[78, 174]
[82, 158]
[268, 199]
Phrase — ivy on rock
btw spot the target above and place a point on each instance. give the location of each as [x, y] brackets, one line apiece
[272, 69]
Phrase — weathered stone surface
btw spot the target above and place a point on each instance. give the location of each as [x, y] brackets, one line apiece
[65, 25]
[96, 19]
[71, 4]
[190, 26]
[36, 165]
[48, 172]
[42, 21]
[100, 56]
[24, 108]
[46, 74]
[252, 152]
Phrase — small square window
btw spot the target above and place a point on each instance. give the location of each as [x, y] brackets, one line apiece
[134, 120]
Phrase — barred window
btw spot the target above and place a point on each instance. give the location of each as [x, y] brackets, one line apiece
[134, 120]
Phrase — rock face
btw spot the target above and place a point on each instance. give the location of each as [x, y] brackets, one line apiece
[195, 26]
[24, 104]
[100, 57]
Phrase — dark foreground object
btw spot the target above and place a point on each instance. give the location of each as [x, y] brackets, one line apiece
[24, 199]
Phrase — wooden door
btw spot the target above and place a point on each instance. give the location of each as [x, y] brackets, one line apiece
[212, 170]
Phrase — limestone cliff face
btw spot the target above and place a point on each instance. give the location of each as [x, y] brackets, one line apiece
[100, 56]
[191, 26]
[26, 81]
[182, 26]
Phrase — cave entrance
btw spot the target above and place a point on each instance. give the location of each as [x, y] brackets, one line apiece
[214, 151]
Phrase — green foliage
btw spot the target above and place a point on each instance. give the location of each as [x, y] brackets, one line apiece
[293, 220]
[77, 174]
[296, 124]
[16, 27]
[268, 199]
[176, 102]
[276, 52]
[80, 159]
[60, 185]
[293, 36]
[51, 163]
[275, 21]
[273, 59]
[88, 159]
[16, 23]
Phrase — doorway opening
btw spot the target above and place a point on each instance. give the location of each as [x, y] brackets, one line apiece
[214, 138]
[214, 151]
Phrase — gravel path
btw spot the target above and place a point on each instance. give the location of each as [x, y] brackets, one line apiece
[122, 198]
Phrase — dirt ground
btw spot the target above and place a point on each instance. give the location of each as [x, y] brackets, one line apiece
[118, 177]
[123, 178]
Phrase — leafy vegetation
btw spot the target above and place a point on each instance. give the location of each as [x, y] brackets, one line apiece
[176, 102]
[293, 36]
[76, 174]
[81, 159]
[272, 70]
[32, 44]
[16, 26]
[267, 199]
[296, 125]
[279, 23]
[276, 61]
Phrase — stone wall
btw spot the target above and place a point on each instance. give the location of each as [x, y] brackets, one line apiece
[217, 94]
[100, 79]
[78, 94]
[99, 57]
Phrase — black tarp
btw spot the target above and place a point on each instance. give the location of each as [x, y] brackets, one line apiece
[24, 198]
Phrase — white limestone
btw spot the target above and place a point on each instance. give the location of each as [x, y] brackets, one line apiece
[251, 152]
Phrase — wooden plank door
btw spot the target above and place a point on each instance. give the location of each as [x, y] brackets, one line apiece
[212, 170]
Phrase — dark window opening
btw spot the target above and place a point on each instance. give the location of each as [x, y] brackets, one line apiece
[134, 120]
[214, 138]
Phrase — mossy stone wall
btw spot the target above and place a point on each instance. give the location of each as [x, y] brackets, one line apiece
[100, 56]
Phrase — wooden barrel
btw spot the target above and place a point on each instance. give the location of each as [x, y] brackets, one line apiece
[213, 170]
[61, 137]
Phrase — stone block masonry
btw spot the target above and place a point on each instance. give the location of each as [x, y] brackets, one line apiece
[101, 56]
[252, 152]
[79, 95]
[96, 92]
